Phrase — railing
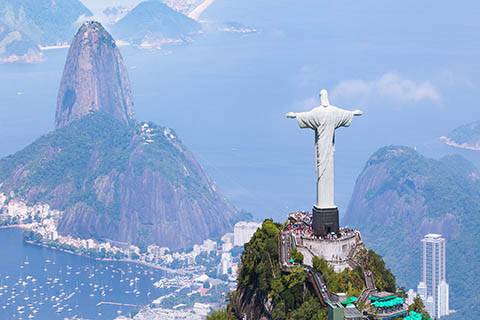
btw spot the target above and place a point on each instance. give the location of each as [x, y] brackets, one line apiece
[315, 277]
[371, 288]
[318, 284]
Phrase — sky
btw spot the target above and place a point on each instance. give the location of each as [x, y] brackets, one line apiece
[411, 66]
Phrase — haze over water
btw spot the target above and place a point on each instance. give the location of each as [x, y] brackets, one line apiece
[406, 64]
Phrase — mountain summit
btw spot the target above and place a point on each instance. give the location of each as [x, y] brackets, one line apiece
[94, 79]
[154, 22]
[114, 179]
[401, 196]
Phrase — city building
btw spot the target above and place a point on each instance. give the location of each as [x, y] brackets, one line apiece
[225, 263]
[17, 207]
[243, 231]
[227, 240]
[3, 199]
[208, 246]
[53, 235]
[156, 252]
[411, 294]
[433, 289]
[90, 244]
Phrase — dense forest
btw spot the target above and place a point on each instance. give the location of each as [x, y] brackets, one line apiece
[265, 290]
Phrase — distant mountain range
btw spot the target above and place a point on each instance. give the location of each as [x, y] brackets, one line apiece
[15, 46]
[400, 196]
[27, 24]
[466, 136]
[114, 178]
[152, 22]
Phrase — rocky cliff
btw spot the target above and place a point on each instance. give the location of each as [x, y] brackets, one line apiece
[401, 195]
[131, 184]
[114, 178]
[94, 79]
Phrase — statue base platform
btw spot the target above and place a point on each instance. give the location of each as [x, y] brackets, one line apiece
[325, 221]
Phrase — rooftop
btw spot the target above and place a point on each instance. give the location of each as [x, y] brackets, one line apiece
[382, 295]
[352, 312]
[433, 236]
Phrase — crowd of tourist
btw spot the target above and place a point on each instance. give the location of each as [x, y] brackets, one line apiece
[300, 225]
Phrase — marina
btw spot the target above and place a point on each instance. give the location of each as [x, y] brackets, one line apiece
[39, 283]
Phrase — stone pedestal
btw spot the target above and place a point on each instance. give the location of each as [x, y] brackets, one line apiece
[324, 221]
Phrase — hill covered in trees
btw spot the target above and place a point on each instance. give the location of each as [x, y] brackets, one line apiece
[264, 291]
[400, 196]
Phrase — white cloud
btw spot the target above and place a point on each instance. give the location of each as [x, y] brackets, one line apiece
[390, 87]
[306, 104]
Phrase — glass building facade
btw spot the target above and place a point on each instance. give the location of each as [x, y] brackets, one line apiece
[433, 288]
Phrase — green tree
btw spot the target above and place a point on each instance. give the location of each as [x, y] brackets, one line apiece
[401, 293]
[309, 310]
[384, 278]
[260, 259]
[296, 255]
[221, 314]
[419, 307]
[294, 283]
[278, 312]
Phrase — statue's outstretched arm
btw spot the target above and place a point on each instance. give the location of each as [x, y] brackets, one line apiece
[291, 115]
[357, 112]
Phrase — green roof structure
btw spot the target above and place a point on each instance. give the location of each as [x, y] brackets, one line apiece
[415, 316]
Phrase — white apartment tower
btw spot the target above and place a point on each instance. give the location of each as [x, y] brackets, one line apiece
[243, 231]
[433, 289]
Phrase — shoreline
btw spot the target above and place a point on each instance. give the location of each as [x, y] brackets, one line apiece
[451, 143]
[197, 12]
[146, 264]
[46, 48]
[17, 226]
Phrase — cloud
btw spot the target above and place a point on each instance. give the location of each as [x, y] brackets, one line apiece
[390, 87]
[306, 104]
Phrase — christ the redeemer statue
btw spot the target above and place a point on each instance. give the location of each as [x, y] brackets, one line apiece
[324, 119]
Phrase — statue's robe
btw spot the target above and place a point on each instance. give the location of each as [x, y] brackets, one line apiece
[324, 120]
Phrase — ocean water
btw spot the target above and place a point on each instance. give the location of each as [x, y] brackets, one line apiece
[49, 284]
[226, 94]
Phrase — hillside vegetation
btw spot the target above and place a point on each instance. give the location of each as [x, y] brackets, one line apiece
[119, 182]
[400, 196]
[264, 291]
[27, 24]
[465, 136]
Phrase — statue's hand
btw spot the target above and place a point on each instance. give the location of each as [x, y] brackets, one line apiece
[291, 115]
[357, 112]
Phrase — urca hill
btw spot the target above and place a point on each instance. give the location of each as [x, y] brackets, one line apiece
[115, 178]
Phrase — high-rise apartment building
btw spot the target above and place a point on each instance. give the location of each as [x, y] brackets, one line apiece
[433, 289]
[243, 231]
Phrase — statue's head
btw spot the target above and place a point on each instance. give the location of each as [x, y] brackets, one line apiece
[324, 98]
